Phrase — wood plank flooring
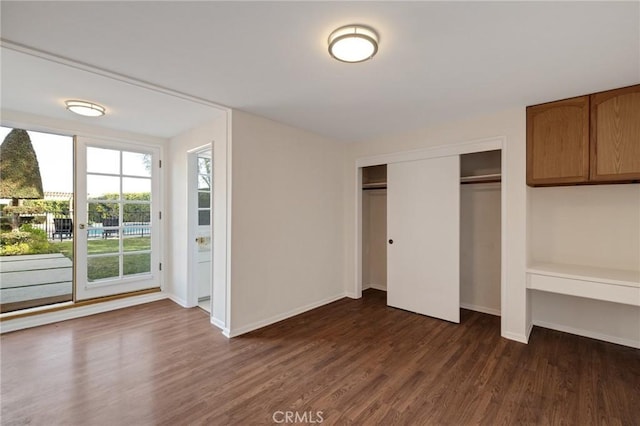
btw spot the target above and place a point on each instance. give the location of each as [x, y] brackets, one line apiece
[355, 361]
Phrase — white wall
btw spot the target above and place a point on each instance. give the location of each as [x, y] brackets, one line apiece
[287, 221]
[374, 239]
[480, 237]
[178, 237]
[595, 225]
[512, 125]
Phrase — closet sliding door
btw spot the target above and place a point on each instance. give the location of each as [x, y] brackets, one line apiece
[423, 233]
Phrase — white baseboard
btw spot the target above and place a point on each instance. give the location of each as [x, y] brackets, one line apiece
[20, 323]
[589, 333]
[263, 323]
[179, 301]
[482, 309]
[529, 330]
[217, 323]
[378, 287]
[351, 295]
[516, 337]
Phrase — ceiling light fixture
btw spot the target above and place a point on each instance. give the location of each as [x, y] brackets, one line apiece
[88, 109]
[353, 43]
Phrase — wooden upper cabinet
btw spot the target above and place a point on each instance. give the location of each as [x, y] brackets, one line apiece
[615, 135]
[558, 142]
[585, 140]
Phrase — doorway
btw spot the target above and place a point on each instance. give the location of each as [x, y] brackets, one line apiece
[200, 225]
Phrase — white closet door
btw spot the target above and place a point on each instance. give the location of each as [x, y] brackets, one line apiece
[423, 221]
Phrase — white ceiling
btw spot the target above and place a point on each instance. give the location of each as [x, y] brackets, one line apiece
[38, 86]
[437, 60]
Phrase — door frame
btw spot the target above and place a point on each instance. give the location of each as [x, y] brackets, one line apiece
[480, 145]
[192, 226]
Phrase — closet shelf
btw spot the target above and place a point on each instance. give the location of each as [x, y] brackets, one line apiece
[494, 177]
[612, 285]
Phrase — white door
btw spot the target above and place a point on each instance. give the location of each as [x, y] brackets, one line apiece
[203, 229]
[117, 218]
[423, 229]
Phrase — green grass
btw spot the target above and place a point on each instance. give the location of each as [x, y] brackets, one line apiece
[108, 266]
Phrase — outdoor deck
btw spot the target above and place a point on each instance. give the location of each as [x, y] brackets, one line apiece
[34, 280]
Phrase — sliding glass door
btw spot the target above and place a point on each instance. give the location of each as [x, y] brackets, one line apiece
[118, 218]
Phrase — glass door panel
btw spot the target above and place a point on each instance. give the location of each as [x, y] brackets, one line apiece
[119, 237]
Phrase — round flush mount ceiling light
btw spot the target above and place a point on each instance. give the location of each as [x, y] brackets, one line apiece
[353, 43]
[88, 109]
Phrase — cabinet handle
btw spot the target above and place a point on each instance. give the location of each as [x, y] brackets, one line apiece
[390, 241]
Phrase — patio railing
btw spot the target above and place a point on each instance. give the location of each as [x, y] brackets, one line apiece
[102, 229]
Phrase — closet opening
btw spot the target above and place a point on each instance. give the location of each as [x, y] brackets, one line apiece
[480, 231]
[374, 228]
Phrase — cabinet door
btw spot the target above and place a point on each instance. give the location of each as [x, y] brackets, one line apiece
[615, 135]
[423, 229]
[558, 142]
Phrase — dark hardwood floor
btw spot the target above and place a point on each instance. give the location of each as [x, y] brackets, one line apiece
[355, 361]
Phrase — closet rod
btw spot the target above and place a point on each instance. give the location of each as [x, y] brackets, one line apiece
[490, 178]
[376, 185]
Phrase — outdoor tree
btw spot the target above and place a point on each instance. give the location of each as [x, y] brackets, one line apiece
[19, 175]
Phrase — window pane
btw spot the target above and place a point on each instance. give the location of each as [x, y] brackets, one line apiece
[103, 187]
[136, 164]
[99, 268]
[204, 199]
[137, 263]
[137, 214]
[136, 186]
[103, 246]
[102, 214]
[204, 166]
[137, 239]
[204, 217]
[204, 182]
[101, 160]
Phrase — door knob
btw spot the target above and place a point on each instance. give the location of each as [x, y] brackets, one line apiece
[390, 241]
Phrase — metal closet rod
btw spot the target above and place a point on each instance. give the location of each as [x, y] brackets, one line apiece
[489, 178]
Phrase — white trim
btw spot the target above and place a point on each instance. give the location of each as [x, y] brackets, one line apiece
[352, 295]
[276, 318]
[20, 323]
[478, 145]
[377, 287]
[229, 223]
[179, 301]
[7, 44]
[217, 323]
[588, 333]
[482, 309]
[529, 329]
[504, 252]
[516, 337]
